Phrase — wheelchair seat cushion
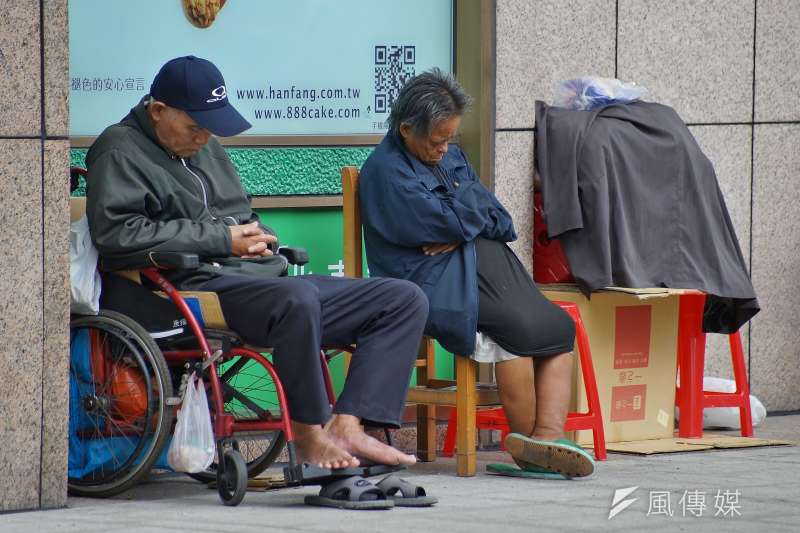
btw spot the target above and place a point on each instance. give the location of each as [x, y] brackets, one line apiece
[158, 316]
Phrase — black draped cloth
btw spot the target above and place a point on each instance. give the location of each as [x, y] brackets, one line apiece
[635, 203]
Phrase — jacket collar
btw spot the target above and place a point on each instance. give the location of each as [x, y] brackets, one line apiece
[137, 118]
[423, 172]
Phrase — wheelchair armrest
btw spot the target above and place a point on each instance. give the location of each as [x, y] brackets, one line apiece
[164, 260]
[295, 256]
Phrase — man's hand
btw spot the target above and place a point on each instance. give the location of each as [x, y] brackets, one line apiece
[248, 240]
[436, 249]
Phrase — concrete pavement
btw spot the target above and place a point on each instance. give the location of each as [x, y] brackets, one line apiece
[721, 490]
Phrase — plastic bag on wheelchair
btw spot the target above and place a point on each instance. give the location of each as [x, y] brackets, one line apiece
[83, 276]
[193, 445]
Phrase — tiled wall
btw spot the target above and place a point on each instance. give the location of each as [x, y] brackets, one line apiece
[731, 68]
[34, 222]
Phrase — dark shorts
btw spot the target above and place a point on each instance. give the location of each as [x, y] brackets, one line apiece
[512, 310]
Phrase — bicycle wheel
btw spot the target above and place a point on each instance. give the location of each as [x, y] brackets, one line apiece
[248, 393]
[119, 418]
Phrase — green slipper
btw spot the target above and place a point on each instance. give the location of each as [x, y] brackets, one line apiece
[561, 456]
[533, 472]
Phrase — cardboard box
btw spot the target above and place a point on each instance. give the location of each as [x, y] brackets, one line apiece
[633, 337]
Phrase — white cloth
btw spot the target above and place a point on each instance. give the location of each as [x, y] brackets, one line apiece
[488, 351]
[83, 276]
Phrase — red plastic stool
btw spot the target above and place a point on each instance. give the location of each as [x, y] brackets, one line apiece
[495, 417]
[690, 397]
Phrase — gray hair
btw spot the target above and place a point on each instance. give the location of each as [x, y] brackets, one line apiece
[426, 100]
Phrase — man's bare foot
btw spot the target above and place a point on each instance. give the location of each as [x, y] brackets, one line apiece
[347, 433]
[315, 447]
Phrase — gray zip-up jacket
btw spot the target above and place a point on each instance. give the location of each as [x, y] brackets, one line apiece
[141, 198]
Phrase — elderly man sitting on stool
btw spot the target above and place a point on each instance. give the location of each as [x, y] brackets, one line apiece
[427, 218]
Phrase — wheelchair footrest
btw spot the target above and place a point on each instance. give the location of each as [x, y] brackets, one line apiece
[314, 475]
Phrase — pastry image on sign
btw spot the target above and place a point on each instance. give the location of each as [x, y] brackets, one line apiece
[201, 13]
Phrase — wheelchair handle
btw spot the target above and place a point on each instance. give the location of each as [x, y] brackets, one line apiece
[295, 256]
[165, 260]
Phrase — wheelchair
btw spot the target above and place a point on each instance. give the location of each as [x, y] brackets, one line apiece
[125, 385]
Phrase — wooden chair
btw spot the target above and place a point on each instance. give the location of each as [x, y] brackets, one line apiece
[463, 393]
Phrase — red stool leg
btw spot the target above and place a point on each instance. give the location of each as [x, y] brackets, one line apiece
[590, 383]
[592, 419]
[494, 419]
[449, 446]
[691, 362]
[742, 388]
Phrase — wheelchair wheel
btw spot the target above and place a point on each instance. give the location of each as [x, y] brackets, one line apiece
[258, 450]
[248, 394]
[119, 418]
[232, 483]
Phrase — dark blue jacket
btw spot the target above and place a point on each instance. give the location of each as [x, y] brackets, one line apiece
[404, 206]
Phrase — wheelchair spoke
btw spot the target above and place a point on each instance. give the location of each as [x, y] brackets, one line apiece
[247, 402]
[233, 370]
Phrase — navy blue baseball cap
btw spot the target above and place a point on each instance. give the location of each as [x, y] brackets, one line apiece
[196, 86]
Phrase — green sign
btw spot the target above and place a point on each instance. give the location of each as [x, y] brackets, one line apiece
[320, 232]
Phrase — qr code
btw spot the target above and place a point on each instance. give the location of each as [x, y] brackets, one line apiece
[394, 66]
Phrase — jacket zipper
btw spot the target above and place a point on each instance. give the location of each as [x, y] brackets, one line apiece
[202, 187]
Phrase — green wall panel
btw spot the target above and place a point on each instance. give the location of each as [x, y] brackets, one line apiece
[77, 158]
[284, 171]
[290, 171]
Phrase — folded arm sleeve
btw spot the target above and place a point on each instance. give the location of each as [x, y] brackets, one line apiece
[404, 212]
[499, 225]
[119, 201]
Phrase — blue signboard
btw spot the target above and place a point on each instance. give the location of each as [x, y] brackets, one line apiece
[292, 67]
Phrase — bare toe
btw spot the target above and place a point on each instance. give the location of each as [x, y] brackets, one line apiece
[320, 450]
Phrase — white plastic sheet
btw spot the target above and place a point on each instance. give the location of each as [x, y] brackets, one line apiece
[589, 92]
[83, 276]
[727, 417]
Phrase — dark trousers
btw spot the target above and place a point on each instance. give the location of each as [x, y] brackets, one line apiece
[384, 318]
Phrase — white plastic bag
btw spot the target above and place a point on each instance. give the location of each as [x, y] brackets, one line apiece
[590, 92]
[727, 417]
[193, 445]
[83, 276]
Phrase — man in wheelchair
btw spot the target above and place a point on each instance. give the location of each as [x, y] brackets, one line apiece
[160, 182]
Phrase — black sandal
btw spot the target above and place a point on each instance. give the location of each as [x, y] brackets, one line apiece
[405, 494]
[352, 492]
